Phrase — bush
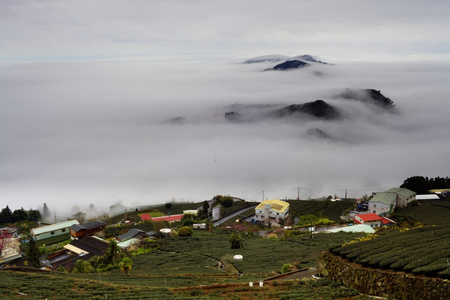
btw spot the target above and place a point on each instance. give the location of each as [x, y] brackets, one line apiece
[236, 241]
[185, 231]
[285, 268]
[188, 222]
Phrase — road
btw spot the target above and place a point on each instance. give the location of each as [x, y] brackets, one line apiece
[223, 220]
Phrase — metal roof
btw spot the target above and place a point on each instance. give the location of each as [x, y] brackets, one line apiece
[91, 245]
[53, 227]
[130, 234]
[88, 226]
[275, 204]
[127, 243]
[402, 192]
[385, 198]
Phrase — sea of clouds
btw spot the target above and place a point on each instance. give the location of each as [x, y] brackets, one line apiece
[81, 132]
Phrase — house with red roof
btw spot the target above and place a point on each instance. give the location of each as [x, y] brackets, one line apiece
[172, 218]
[372, 219]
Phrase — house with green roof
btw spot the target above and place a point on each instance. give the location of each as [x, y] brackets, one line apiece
[53, 233]
[272, 211]
[383, 204]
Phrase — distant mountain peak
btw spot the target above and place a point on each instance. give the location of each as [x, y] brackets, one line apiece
[318, 109]
[372, 96]
[289, 65]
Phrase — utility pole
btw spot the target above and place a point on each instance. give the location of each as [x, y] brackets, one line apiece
[263, 195]
[298, 194]
[345, 195]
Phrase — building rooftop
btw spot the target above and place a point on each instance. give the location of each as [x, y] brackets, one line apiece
[130, 234]
[402, 192]
[386, 198]
[88, 226]
[369, 217]
[53, 227]
[90, 244]
[275, 204]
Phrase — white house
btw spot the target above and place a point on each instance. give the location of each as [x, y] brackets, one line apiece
[384, 203]
[272, 211]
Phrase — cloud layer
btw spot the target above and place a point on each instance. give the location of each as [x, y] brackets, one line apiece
[96, 132]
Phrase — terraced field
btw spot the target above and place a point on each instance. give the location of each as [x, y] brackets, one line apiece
[421, 251]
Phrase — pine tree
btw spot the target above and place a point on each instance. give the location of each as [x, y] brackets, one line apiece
[33, 254]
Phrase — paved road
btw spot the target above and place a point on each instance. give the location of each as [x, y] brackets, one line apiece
[223, 220]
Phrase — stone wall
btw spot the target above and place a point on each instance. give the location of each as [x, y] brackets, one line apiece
[384, 283]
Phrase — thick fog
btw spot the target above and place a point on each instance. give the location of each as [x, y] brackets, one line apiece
[154, 130]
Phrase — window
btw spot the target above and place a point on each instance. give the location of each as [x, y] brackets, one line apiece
[63, 230]
[52, 233]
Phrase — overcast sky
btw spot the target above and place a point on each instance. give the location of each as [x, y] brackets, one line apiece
[87, 88]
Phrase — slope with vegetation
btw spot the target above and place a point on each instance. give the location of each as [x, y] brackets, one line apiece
[422, 251]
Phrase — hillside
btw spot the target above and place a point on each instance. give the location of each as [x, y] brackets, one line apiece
[421, 251]
[433, 213]
[325, 209]
[190, 268]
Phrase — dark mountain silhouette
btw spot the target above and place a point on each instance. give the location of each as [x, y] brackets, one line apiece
[372, 96]
[290, 64]
[318, 109]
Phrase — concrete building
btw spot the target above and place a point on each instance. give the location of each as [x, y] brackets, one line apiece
[272, 211]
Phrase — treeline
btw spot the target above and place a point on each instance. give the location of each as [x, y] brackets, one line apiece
[422, 185]
[8, 216]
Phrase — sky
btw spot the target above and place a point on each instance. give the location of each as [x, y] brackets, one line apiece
[87, 88]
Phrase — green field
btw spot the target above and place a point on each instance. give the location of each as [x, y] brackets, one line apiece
[200, 267]
[421, 251]
[322, 209]
[436, 213]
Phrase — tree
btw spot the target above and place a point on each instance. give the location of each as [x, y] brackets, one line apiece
[226, 201]
[112, 253]
[80, 217]
[185, 231]
[126, 264]
[83, 266]
[20, 215]
[206, 207]
[236, 240]
[46, 214]
[33, 215]
[33, 254]
[6, 215]
[168, 205]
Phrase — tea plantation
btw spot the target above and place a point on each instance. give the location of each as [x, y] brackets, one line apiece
[199, 267]
[422, 251]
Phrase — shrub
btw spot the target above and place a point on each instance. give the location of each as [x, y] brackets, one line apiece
[185, 231]
[236, 241]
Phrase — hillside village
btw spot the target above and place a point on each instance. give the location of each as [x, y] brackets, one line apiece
[117, 243]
